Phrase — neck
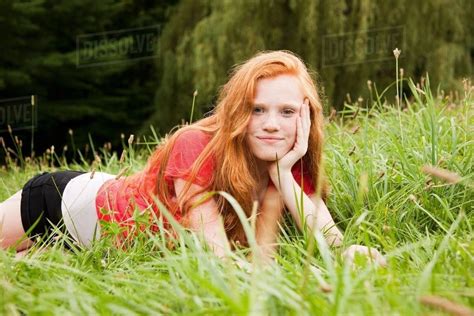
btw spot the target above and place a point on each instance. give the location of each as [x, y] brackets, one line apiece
[262, 171]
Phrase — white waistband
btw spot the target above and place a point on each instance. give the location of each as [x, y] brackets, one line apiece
[78, 206]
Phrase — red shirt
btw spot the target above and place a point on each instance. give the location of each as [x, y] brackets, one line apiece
[118, 198]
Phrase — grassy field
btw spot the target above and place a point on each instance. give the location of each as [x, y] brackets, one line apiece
[420, 218]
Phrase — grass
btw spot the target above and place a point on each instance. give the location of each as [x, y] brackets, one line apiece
[380, 196]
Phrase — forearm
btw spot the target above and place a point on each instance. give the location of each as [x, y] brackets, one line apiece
[211, 227]
[205, 219]
[315, 216]
[268, 225]
[266, 240]
[216, 239]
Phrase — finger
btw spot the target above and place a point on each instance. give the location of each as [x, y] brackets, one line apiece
[348, 254]
[303, 112]
[306, 116]
[377, 257]
[380, 259]
[303, 118]
[300, 132]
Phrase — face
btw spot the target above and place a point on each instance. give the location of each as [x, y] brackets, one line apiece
[272, 126]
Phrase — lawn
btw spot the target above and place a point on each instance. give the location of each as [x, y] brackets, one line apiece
[401, 181]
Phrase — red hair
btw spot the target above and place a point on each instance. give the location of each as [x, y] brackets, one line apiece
[235, 170]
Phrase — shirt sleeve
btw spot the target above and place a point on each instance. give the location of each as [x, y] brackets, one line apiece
[187, 148]
[308, 185]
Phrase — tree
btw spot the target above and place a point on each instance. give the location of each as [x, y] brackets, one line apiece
[41, 54]
[204, 39]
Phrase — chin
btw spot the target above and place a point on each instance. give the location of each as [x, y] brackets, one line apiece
[270, 157]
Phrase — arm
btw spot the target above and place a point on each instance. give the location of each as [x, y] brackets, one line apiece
[205, 219]
[317, 217]
[267, 223]
[314, 210]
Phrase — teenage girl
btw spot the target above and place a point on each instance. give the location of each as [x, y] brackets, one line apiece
[262, 143]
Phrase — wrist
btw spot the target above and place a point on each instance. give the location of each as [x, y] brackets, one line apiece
[278, 178]
[336, 243]
[335, 239]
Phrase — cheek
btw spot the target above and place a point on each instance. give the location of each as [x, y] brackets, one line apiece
[252, 125]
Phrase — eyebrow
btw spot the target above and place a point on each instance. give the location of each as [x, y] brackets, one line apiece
[293, 106]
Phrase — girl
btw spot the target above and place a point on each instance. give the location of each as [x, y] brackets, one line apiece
[262, 143]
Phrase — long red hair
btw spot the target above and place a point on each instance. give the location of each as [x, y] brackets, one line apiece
[235, 169]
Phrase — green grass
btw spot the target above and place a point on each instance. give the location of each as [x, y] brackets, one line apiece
[379, 196]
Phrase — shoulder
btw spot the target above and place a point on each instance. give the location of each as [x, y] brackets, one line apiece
[188, 146]
[193, 135]
[191, 140]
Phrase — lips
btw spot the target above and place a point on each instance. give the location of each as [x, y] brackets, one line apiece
[270, 139]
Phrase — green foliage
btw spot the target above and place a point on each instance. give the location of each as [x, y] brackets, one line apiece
[204, 39]
[379, 196]
[40, 56]
[200, 42]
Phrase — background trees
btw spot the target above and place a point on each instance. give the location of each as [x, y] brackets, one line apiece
[39, 56]
[345, 42]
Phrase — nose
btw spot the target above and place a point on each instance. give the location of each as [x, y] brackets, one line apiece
[271, 123]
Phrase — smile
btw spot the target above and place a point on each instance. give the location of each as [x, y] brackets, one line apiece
[269, 140]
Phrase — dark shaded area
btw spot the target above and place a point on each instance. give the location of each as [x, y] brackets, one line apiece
[42, 43]
[111, 67]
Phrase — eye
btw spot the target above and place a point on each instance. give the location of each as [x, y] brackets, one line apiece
[288, 112]
[257, 109]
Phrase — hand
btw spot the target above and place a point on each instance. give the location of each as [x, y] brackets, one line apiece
[303, 124]
[371, 253]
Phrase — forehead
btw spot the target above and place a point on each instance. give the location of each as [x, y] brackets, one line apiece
[279, 89]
